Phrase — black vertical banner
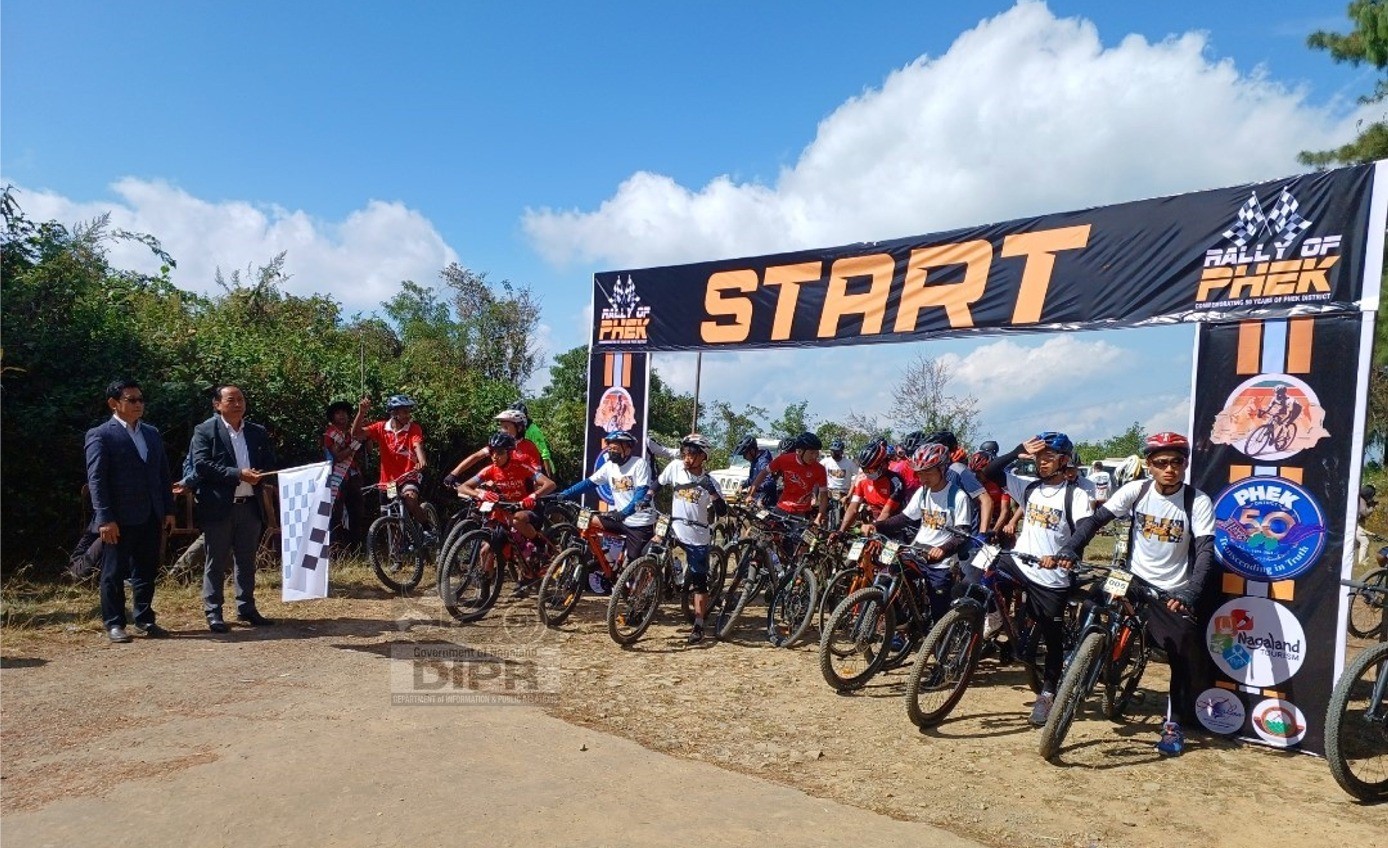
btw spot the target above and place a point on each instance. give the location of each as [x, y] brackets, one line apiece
[618, 384]
[1277, 435]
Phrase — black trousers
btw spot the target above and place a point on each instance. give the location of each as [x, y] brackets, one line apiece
[1179, 637]
[1047, 605]
[134, 557]
[350, 505]
[231, 543]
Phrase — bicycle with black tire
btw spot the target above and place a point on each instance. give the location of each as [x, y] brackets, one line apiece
[1366, 602]
[590, 549]
[470, 578]
[399, 549]
[1356, 719]
[655, 578]
[951, 652]
[1109, 657]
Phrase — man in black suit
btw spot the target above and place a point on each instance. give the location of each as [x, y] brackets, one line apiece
[230, 456]
[132, 500]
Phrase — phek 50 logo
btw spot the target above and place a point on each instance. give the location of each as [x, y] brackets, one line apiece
[1260, 263]
[624, 320]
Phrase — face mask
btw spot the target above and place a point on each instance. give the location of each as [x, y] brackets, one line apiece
[615, 455]
[873, 475]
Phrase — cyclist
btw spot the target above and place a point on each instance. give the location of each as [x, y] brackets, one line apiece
[1282, 408]
[802, 478]
[879, 488]
[1002, 502]
[507, 478]
[958, 471]
[1170, 545]
[902, 463]
[758, 460]
[695, 500]
[1049, 505]
[512, 423]
[401, 441]
[1103, 482]
[632, 515]
[939, 503]
[841, 470]
[348, 521]
[532, 432]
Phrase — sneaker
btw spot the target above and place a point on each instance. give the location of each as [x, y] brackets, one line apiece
[1172, 741]
[1041, 710]
[695, 636]
[992, 624]
[898, 641]
[597, 585]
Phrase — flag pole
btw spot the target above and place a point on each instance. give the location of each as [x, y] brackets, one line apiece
[698, 374]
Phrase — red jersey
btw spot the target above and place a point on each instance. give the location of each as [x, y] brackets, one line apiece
[888, 488]
[799, 482]
[397, 448]
[527, 452]
[512, 483]
[907, 473]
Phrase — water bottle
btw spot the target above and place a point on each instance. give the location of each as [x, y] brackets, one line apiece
[678, 567]
[775, 559]
[612, 549]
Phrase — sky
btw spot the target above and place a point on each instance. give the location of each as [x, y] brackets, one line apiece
[541, 142]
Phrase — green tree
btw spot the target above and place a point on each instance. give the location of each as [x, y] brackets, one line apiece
[1126, 443]
[921, 401]
[793, 421]
[1366, 42]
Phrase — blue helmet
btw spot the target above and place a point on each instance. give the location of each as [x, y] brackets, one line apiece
[395, 402]
[621, 436]
[1058, 442]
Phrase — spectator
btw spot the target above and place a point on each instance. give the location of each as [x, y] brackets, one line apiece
[349, 509]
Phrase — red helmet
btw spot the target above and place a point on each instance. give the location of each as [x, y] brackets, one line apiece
[929, 456]
[1166, 442]
[979, 461]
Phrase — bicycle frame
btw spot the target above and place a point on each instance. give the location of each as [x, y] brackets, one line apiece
[593, 535]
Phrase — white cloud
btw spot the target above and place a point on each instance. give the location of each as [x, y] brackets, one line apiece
[359, 260]
[1024, 114]
[1057, 364]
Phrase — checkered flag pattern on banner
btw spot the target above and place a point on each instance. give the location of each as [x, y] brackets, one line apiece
[306, 506]
[1248, 223]
[1283, 220]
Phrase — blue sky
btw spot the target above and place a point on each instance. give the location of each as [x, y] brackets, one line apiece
[541, 142]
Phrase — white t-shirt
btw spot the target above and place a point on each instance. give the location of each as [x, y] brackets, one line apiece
[936, 511]
[1043, 531]
[1089, 489]
[691, 498]
[624, 480]
[1162, 532]
[841, 473]
[1103, 484]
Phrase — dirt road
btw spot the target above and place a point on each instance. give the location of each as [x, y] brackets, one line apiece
[288, 735]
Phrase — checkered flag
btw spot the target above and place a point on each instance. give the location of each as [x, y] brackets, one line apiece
[306, 505]
[1248, 223]
[1283, 220]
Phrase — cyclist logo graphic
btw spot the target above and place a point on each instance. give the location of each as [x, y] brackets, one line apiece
[1220, 711]
[1270, 417]
[1267, 529]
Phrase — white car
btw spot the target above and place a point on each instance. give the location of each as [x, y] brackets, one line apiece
[733, 479]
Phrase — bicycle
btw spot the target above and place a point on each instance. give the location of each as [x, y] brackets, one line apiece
[878, 627]
[796, 595]
[758, 565]
[590, 550]
[1367, 599]
[1111, 655]
[1356, 719]
[470, 579]
[951, 651]
[1276, 435]
[860, 566]
[654, 578]
[395, 543]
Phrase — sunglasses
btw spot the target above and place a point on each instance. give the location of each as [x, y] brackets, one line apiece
[1169, 462]
[132, 400]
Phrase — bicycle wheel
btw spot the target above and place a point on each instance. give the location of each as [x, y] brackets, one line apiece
[792, 607]
[1366, 608]
[563, 535]
[470, 580]
[1123, 672]
[944, 666]
[635, 599]
[1074, 686]
[561, 587]
[840, 585]
[456, 532]
[1284, 435]
[854, 645]
[398, 565]
[1259, 441]
[432, 513]
[1356, 726]
[745, 585]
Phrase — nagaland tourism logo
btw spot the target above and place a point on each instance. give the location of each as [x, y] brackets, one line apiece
[1267, 529]
[624, 321]
[1220, 710]
[1256, 641]
[1270, 417]
[1267, 258]
[1279, 722]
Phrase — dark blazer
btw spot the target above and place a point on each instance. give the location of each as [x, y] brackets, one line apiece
[124, 488]
[214, 462]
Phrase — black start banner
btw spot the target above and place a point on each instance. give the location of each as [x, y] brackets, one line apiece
[1294, 246]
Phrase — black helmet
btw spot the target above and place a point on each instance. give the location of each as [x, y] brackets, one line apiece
[873, 454]
[519, 406]
[697, 442]
[502, 441]
[808, 441]
[942, 437]
[911, 441]
[989, 446]
[745, 444]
